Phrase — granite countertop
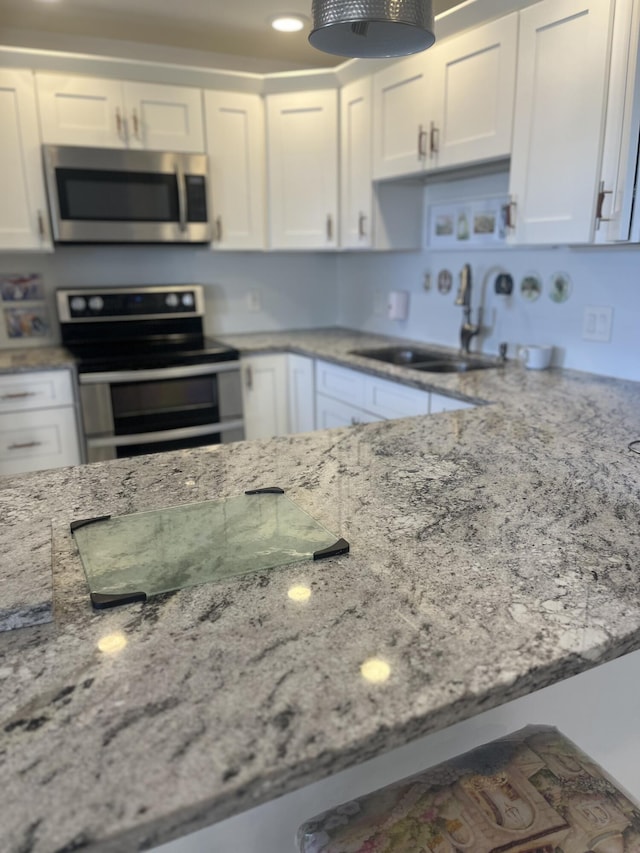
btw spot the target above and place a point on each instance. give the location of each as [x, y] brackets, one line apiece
[493, 551]
[23, 359]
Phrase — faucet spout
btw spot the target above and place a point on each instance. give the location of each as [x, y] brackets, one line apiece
[467, 330]
[464, 290]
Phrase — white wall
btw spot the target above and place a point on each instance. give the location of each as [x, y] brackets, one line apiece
[294, 290]
[601, 277]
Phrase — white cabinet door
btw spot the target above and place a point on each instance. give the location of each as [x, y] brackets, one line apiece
[332, 413]
[393, 399]
[93, 111]
[235, 145]
[264, 396]
[302, 142]
[164, 118]
[301, 394]
[401, 117]
[473, 83]
[23, 220]
[356, 188]
[77, 110]
[441, 403]
[563, 65]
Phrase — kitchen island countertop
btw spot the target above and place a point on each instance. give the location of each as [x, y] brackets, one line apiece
[494, 551]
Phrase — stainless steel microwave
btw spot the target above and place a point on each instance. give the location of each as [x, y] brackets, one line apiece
[108, 195]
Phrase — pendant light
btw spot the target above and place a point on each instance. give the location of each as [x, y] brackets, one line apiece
[372, 28]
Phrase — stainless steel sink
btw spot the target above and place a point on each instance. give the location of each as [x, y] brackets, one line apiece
[426, 360]
[400, 355]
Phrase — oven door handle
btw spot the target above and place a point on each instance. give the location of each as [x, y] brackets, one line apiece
[164, 435]
[112, 377]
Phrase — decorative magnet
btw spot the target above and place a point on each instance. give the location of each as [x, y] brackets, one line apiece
[531, 287]
[445, 281]
[560, 287]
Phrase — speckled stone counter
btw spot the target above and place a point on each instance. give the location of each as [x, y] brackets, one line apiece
[494, 551]
[35, 358]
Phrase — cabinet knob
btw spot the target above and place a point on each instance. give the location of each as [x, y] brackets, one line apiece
[249, 377]
[329, 227]
[509, 212]
[434, 140]
[219, 231]
[25, 446]
[41, 227]
[136, 124]
[601, 195]
[18, 395]
[362, 220]
[119, 122]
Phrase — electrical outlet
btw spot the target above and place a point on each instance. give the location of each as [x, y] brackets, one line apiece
[254, 301]
[596, 323]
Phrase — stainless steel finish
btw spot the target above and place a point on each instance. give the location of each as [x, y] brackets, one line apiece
[157, 373]
[62, 300]
[434, 139]
[97, 413]
[601, 197]
[122, 160]
[182, 200]
[510, 217]
[468, 330]
[362, 219]
[230, 396]
[369, 28]
[427, 360]
[422, 143]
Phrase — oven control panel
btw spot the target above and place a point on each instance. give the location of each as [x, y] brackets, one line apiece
[130, 303]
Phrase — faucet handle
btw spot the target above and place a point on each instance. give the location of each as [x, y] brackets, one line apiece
[502, 349]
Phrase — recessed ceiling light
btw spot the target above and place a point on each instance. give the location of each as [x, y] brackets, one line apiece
[288, 23]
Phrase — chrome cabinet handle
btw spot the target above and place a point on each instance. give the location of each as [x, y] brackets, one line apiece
[509, 212]
[249, 377]
[136, 123]
[362, 231]
[422, 143]
[119, 122]
[434, 139]
[329, 227]
[18, 395]
[41, 228]
[601, 195]
[219, 231]
[25, 446]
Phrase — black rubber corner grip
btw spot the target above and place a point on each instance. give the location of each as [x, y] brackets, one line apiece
[82, 522]
[102, 601]
[335, 550]
[270, 490]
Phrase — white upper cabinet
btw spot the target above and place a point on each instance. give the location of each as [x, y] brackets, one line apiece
[92, 111]
[236, 147]
[302, 169]
[473, 81]
[23, 220]
[563, 66]
[402, 129]
[356, 189]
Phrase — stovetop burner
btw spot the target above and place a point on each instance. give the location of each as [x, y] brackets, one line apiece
[140, 355]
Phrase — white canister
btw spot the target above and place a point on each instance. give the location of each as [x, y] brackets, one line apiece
[535, 357]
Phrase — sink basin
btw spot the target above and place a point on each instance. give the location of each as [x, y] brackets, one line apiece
[401, 355]
[426, 360]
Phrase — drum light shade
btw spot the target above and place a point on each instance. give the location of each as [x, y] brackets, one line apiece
[372, 28]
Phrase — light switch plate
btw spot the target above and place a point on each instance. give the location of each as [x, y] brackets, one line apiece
[597, 322]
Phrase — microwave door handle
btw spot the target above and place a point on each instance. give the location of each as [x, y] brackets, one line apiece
[182, 201]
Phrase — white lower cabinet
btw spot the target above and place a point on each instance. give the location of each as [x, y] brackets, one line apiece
[301, 396]
[264, 395]
[332, 413]
[440, 403]
[38, 422]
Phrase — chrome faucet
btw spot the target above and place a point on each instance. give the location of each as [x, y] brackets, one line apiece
[467, 330]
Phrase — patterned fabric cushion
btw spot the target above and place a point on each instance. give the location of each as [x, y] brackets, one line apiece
[533, 791]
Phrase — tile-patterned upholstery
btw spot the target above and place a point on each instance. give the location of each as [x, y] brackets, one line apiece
[533, 791]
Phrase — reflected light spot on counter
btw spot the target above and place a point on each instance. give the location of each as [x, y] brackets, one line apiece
[375, 670]
[112, 643]
[190, 483]
[299, 593]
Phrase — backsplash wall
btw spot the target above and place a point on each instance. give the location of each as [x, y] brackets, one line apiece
[608, 277]
[288, 290]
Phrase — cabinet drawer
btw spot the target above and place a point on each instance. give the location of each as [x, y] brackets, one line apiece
[35, 390]
[341, 383]
[394, 400]
[334, 413]
[31, 441]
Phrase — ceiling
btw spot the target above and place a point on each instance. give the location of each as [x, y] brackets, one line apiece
[232, 27]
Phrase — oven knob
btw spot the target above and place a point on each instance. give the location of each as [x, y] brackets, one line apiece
[96, 303]
[78, 304]
[187, 300]
[172, 300]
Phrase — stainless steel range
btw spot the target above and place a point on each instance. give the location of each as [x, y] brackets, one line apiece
[149, 378]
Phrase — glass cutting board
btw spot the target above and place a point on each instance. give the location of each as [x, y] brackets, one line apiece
[130, 557]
